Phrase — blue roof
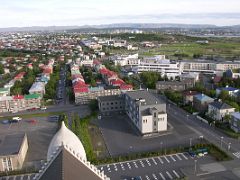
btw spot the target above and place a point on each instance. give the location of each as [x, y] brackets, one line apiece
[203, 97]
[227, 89]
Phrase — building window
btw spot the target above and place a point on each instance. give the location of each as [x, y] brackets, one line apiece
[155, 114]
[111, 103]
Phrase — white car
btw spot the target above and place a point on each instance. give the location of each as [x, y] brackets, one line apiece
[16, 119]
[43, 108]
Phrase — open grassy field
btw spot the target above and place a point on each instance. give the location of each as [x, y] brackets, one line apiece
[183, 47]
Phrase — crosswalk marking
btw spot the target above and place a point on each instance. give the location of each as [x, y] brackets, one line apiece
[162, 176]
[166, 159]
[169, 175]
[176, 174]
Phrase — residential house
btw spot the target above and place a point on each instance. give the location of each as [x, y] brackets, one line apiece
[235, 121]
[201, 101]
[217, 110]
[188, 97]
[231, 91]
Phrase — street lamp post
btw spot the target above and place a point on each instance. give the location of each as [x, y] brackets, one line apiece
[195, 166]
[190, 143]
[221, 141]
[229, 146]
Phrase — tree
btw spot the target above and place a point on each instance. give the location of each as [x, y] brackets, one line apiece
[224, 95]
[1, 68]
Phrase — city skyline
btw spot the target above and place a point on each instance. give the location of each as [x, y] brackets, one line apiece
[74, 13]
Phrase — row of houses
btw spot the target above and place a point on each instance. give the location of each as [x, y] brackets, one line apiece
[84, 93]
[30, 101]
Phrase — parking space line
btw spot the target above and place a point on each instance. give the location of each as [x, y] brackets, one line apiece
[154, 161]
[115, 167]
[176, 174]
[129, 166]
[154, 176]
[148, 162]
[160, 160]
[147, 177]
[178, 157]
[184, 156]
[122, 166]
[172, 158]
[142, 164]
[169, 175]
[135, 164]
[166, 159]
[162, 176]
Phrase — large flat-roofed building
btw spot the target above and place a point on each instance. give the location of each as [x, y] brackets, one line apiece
[146, 112]
[13, 150]
[37, 88]
[109, 104]
[174, 85]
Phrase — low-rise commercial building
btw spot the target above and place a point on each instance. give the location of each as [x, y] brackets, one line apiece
[37, 88]
[13, 150]
[174, 85]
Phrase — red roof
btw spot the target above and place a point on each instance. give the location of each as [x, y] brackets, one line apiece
[103, 71]
[117, 82]
[47, 71]
[20, 75]
[80, 90]
[18, 97]
[79, 84]
[96, 62]
[126, 87]
[190, 93]
[217, 79]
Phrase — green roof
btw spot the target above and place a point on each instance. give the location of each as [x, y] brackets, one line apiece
[32, 96]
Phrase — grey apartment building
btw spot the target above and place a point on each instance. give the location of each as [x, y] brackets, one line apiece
[145, 111]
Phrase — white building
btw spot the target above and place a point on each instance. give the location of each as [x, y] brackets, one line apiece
[159, 64]
[37, 88]
[125, 60]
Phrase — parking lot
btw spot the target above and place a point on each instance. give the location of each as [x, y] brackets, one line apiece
[39, 132]
[122, 138]
[162, 167]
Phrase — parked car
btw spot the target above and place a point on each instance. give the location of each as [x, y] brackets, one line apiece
[5, 122]
[16, 118]
[191, 153]
[43, 108]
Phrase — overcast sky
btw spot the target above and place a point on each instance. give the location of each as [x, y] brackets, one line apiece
[21, 13]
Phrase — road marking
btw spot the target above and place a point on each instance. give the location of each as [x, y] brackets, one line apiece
[154, 161]
[135, 164]
[172, 158]
[115, 167]
[237, 154]
[122, 166]
[169, 175]
[184, 156]
[176, 174]
[147, 177]
[178, 157]
[142, 164]
[129, 166]
[154, 176]
[162, 176]
[160, 160]
[148, 162]
[166, 159]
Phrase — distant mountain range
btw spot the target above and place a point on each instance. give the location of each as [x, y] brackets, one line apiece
[116, 26]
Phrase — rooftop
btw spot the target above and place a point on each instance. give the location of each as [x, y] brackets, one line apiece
[220, 105]
[149, 98]
[236, 115]
[11, 144]
[110, 98]
[32, 96]
[203, 97]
